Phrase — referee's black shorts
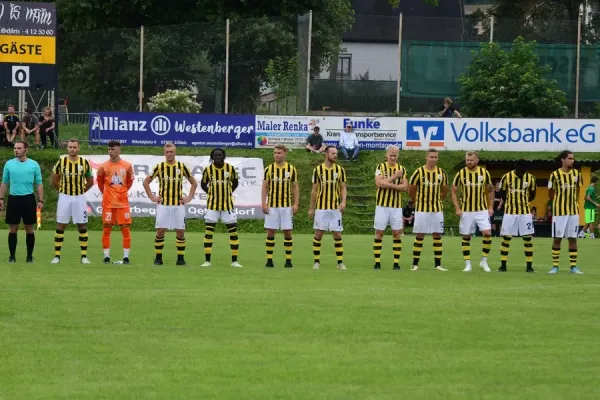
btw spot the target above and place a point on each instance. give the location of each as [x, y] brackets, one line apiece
[21, 208]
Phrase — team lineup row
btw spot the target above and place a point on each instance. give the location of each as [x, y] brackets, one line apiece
[472, 195]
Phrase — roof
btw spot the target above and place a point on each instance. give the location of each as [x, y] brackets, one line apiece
[376, 21]
[533, 164]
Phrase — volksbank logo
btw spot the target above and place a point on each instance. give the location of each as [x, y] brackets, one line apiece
[159, 125]
[424, 134]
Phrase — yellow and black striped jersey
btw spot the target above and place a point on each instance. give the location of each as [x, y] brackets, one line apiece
[73, 175]
[474, 186]
[281, 180]
[566, 188]
[429, 188]
[517, 191]
[220, 186]
[329, 185]
[387, 197]
[170, 181]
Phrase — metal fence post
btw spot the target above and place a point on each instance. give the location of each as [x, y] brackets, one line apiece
[491, 28]
[399, 77]
[227, 66]
[308, 61]
[141, 92]
[578, 67]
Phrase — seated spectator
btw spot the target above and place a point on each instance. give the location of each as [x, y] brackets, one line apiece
[30, 126]
[534, 213]
[548, 216]
[2, 131]
[12, 125]
[349, 143]
[314, 142]
[408, 214]
[48, 128]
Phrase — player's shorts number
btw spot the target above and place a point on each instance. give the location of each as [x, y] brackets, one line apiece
[85, 214]
[108, 217]
[127, 215]
[529, 226]
[442, 225]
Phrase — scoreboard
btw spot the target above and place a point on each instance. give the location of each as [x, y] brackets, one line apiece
[28, 46]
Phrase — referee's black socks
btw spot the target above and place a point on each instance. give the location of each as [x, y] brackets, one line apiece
[12, 244]
[30, 240]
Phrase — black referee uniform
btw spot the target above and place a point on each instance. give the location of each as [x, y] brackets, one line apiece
[21, 174]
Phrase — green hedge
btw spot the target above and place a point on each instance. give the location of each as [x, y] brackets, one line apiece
[359, 173]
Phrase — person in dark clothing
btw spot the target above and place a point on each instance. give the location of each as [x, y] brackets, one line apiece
[48, 128]
[447, 110]
[314, 142]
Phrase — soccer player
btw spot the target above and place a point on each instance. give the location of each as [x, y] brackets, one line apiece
[520, 188]
[280, 196]
[428, 187]
[390, 179]
[72, 177]
[170, 202]
[327, 202]
[22, 174]
[219, 181]
[476, 208]
[115, 178]
[590, 206]
[563, 190]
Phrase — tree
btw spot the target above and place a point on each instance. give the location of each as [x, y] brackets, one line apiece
[99, 45]
[550, 21]
[510, 84]
[175, 101]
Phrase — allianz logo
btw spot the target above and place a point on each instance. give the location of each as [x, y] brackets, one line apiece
[159, 125]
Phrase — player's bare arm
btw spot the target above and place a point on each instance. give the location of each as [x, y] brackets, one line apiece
[296, 193]
[56, 181]
[313, 200]
[190, 196]
[381, 182]
[491, 194]
[2, 191]
[40, 192]
[343, 193]
[532, 193]
[235, 182]
[444, 192]
[263, 195]
[146, 184]
[412, 192]
[454, 196]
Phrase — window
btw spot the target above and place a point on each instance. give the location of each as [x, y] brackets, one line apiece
[344, 67]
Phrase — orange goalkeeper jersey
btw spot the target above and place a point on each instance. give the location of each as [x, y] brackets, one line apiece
[114, 181]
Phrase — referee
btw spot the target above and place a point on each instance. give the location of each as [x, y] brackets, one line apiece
[21, 173]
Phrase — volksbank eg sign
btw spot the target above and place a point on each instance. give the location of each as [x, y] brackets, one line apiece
[503, 134]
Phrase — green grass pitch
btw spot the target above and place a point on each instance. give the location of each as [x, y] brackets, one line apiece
[73, 331]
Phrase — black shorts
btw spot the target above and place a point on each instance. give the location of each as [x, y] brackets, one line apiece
[21, 208]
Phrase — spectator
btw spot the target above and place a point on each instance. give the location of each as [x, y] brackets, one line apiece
[2, 131]
[447, 110]
[48, 128]
[12, 125]
[349, 143]
[408, 214]
[30, 126]
[314, 142]
[548, 216]
[534, 213]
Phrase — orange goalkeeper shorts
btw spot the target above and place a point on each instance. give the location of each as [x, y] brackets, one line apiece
[116, 216]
